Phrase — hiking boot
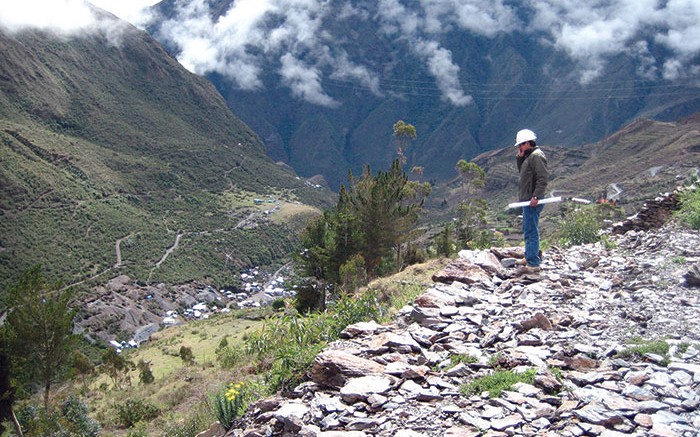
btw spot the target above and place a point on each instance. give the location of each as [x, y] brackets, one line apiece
[521, 262]
[525, 270]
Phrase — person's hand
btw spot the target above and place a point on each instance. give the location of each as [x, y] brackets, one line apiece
[533, 201]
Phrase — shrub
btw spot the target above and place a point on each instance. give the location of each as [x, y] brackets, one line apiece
[229, 356]
[199, 417]
[71, 419]
[139, 429]
[291, 364]
[116, 366]
[350, 309]
[580, 226]
[145, 373]
[463, 358]
[76, 415]
[353, 274]
[133, 411]
[497, 382]
[682, 348]
[397, 295]
[190, 426]
[444, 243]
[310, 295]
[186, 354]
[690, 207]
[278, 304]
[230, 404]
[639, 347]
[292, 342]
[482, 240]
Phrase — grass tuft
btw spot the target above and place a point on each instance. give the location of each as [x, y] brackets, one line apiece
[497, 382]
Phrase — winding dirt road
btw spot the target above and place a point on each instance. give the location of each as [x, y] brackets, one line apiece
[170, 250]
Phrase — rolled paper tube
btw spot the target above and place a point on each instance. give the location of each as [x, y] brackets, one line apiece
[539, 202]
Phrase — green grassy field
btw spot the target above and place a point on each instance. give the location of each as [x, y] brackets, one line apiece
[178, 387]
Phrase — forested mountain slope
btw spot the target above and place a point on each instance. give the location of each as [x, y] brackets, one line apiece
[112, 155]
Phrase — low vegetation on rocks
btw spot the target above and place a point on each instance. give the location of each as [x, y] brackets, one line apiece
[600, 342]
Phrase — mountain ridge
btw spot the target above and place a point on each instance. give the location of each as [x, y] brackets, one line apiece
[645, 158]
[105, 142]
[498, 83]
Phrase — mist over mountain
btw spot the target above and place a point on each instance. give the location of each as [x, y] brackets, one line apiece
[322, 82]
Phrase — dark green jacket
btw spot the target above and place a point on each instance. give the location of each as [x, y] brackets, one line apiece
[533, 175]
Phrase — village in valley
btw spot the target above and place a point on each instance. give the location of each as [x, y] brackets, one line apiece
[258, 288]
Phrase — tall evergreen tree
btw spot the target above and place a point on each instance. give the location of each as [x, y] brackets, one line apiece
[6, 392]
[373, 219]
[38, 331]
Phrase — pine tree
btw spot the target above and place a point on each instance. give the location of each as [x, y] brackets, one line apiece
[373, 218]
[38, 331]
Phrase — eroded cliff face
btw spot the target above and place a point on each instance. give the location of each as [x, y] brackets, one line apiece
[572, 322]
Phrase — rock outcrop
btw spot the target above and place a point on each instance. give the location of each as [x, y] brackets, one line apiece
[652, 215]
[572, 323]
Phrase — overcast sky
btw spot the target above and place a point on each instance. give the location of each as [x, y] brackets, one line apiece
[237, 43]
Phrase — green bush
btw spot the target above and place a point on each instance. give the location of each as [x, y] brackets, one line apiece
[190, 426]
[310, 295]
[639, 347]
[76, 415]
[463, 358]
[580, 226]
[132, 411]
[291, 365]
[278, 304]
[497, 382]
[186, 354]
[228, 357]
[350, 309]
[690, 207]
[293, 340]
[230, 404]
[353, 273]
[145, 372]
[444, 242]
[71, 419]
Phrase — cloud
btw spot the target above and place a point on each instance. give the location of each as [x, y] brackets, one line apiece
[253, 33]
[68, 17]
[304, 81]
[294, 36]
[345, 69]
[591, 32]
[446, 73]
[397, 18]
[59, 16]
[482, 17]
[136, 12]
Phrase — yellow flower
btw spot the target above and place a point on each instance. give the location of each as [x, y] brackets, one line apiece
[234, 389]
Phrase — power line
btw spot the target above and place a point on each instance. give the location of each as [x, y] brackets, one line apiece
[633, 89]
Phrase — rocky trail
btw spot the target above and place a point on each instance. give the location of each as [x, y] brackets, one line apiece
[572, 323]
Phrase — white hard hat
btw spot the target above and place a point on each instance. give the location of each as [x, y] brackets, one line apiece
[524, 135]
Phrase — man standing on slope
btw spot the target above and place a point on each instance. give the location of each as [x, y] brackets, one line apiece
[532, 166]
